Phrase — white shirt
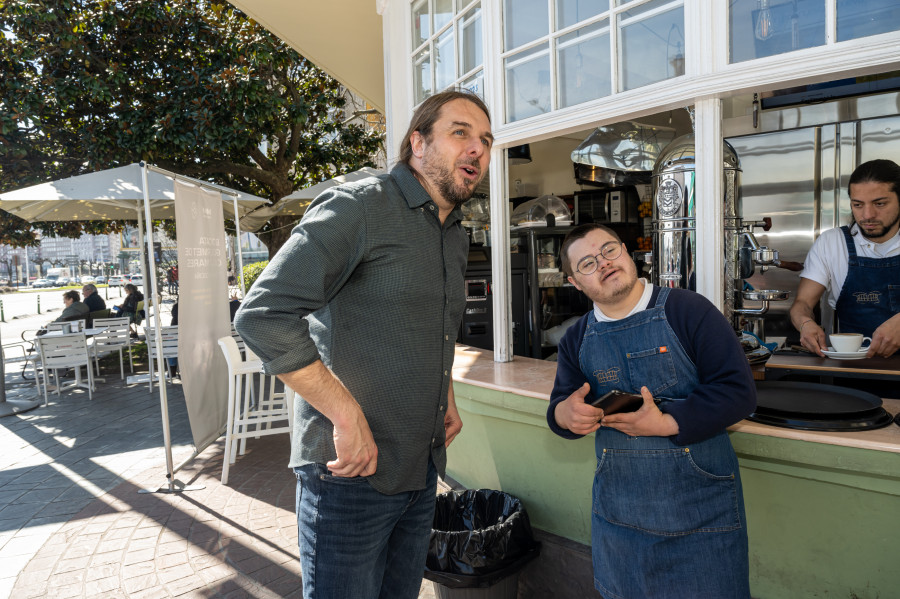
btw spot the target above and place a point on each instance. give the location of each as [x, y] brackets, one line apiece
[641, 305]
[827, 260]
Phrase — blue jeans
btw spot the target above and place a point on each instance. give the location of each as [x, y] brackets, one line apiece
[358, 543]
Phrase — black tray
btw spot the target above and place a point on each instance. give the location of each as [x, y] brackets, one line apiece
[813, 399]
[880, 419]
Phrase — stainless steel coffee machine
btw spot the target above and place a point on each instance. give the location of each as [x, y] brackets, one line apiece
[675, 235]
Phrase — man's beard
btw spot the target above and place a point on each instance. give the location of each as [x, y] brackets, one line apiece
[881, 232]
[443, 179]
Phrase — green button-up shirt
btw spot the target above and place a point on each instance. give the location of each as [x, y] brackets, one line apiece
[372, 284]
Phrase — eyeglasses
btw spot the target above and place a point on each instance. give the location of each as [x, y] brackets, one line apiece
[610, 251]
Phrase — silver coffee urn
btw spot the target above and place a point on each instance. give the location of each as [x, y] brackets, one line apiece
[675, 233]
[674, 223]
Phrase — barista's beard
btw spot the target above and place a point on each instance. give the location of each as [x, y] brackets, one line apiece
[880, 233]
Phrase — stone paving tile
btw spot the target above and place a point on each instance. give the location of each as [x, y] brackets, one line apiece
[84, 531]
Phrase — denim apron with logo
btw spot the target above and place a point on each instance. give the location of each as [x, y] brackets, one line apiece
[668, 520]
[871, 292]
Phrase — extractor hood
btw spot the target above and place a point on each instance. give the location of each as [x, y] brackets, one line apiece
[620, 154]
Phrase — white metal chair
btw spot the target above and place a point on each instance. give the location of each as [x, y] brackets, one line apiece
[116, 336]
[243, 415]
[169, 347]
[28, 357]
[69, 326]
[66, 351]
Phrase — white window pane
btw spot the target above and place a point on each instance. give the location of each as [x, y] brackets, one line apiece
[861, 18]
[584, 65]
[569, 12]
[471, 44]
[650, 44]
[475, 84]
[528, 83]
[524, 21]
[443, 13]
[421, 23]
[444, 61]
[422, 74]
[759, 28]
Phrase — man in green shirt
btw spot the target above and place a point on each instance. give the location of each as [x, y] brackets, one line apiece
[358, 313]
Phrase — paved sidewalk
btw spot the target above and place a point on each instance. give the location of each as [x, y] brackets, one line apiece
[72, 523]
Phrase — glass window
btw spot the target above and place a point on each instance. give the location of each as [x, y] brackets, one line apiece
[759, 28]
[524, 21]
[569, 12]
[528, 83]
[475, 84]
[584, 65]
[470, 46]
[861, 18]
[422, 74]
[444, 61]
[651, 43]
[448, 51]
[443, 13]
[421, 23]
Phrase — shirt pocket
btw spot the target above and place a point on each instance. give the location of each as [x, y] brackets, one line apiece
[653, 368]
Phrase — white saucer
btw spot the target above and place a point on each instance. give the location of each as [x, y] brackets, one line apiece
[838, 355]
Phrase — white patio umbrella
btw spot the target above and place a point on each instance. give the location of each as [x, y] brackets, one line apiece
[296, 203]
[136, 191]
[112, 194]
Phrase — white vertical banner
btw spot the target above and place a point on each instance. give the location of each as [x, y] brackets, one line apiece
[202, 309]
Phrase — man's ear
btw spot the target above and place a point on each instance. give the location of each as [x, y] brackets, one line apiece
[572, 280]
[417, 143]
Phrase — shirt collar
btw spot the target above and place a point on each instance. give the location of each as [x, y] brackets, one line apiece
[415, 194]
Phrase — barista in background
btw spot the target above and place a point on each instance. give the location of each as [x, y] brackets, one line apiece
[858, 265]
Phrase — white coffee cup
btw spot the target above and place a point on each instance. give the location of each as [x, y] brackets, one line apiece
[847, 343]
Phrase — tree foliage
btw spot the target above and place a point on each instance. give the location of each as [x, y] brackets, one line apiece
[192, 86]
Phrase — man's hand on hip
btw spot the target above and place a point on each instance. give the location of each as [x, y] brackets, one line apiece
[357, 454]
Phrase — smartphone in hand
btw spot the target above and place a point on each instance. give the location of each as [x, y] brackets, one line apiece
[619, 401]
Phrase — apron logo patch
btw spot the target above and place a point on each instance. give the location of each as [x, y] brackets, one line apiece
[870, 297]
[607, 376]
[663, 349]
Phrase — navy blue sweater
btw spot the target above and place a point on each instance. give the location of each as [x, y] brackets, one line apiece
[725, 394]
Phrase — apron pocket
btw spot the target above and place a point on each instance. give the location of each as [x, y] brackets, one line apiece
[649, 366]
[664, 492]
[894, 298]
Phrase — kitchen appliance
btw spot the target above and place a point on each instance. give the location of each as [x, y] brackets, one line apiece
[547, 210]
[817, 407]
[620, 154]
[477, 327]
[674, 233]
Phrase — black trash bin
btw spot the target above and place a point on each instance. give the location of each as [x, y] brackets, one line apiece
[479, 541]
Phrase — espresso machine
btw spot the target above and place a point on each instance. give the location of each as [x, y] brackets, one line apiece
[674, 235]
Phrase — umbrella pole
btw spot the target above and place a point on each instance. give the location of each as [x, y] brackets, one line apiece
[172, 485]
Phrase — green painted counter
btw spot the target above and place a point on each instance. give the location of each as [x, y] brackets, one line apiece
[823, 509]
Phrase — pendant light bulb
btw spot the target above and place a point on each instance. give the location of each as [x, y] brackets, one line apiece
[763, 29]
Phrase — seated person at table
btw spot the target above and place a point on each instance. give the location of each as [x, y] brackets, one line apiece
[92, 299]
[75, 309]
[129, 306]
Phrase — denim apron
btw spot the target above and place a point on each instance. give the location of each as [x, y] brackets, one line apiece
[668, 520]
[868, 297]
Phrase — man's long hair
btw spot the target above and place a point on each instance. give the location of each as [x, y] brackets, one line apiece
[427, 114]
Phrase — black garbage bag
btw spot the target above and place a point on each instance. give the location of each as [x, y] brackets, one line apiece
[479, 537]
